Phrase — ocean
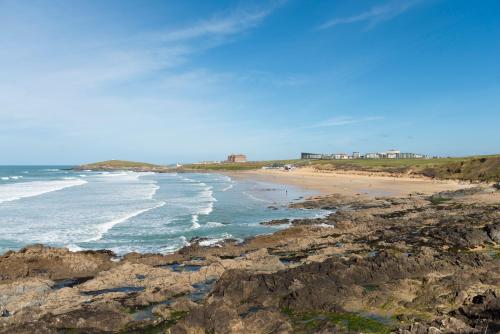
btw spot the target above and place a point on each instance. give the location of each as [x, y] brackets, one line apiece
[127, 211]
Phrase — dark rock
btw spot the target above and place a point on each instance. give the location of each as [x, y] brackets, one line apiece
[69, 283]
[493, 231]
[124, 289]
[4, 312]
[53, 263]
[276, 222]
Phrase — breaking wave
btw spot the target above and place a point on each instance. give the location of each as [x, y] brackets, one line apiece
[16, 191]
[102, 229]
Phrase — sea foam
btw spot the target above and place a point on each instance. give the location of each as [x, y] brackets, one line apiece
[102, 229]
[207, 199]
[16, 191]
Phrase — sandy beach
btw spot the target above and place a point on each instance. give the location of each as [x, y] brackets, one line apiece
[354, 183]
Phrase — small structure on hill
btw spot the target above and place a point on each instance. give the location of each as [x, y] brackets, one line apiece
[237, 158]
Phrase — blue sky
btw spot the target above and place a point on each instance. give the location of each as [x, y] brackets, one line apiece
[168, 81]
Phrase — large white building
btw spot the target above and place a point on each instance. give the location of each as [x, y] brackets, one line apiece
[372, 156]
[341, 156]
[390, 154]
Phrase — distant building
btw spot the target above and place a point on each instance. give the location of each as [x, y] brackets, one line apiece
[410, 156]
[391, 154]
[237, 158]
[372, 156]
[206, 162]
[328, 156]
[341, 156]
[311, 156]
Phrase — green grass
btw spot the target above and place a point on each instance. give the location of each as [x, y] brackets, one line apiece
[250, 165]
[357, 323]
[401, 162]
[311, 320]
[476, 168]
[119, 164]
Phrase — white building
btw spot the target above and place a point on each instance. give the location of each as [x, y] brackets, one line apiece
[372, 156]
[341, 156]
[392, 154]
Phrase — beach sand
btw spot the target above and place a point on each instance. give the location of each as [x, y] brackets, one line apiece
[354, 183]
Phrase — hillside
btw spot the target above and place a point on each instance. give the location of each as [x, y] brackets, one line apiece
[120, 165]
[477, 168]
[250, 165]
[480, 168]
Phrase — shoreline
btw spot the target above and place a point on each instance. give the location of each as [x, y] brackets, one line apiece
[317, 274]
[214, 240]
[352, 183]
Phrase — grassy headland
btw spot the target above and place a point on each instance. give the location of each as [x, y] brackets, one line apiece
[120, 165]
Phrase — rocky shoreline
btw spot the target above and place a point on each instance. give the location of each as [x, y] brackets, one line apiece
[416, 264]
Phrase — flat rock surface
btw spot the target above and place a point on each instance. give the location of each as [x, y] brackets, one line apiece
[415, 264]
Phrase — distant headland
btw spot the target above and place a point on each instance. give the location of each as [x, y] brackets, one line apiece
[122, 165]
[474, 168]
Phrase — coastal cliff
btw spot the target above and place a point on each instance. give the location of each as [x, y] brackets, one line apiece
[414, 264]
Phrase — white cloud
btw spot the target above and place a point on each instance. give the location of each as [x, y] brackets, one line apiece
[93, 72]
[344, 120]
[218, 26]
[375, 14]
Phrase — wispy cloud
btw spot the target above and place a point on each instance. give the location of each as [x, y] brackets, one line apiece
[231, 24]
[344, 120]
[166, 49]
[147, 80]
[160, 56]
[375, 14]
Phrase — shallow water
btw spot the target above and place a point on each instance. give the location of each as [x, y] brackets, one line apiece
[126, 211]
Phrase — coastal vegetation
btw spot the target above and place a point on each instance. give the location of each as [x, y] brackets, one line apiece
[118, 164]
[474, 168]
[304, 322]
[250, 165]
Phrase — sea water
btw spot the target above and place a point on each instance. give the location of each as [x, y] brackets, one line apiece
[126, 211]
